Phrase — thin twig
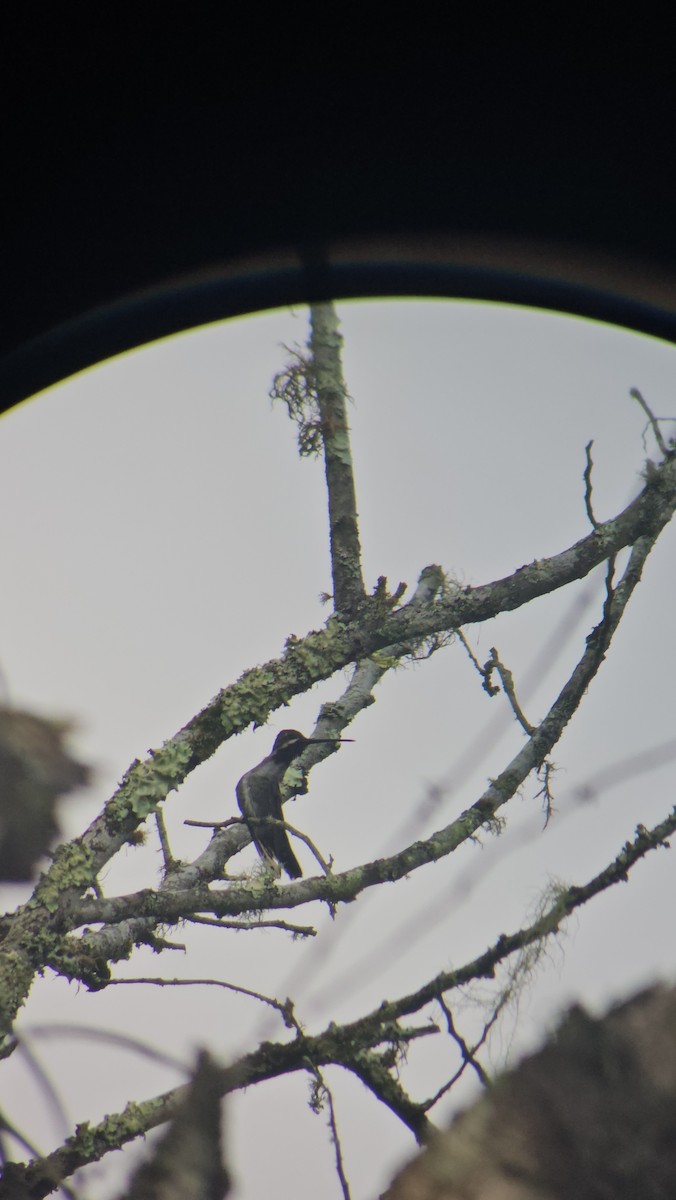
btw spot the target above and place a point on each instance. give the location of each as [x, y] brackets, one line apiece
[470, 1059]
[6, 1126]
[467, 1054]
[653, 421]
[335, 1138]
[285, 1009]
[588, 485]
[124, 1041]
[507, 680]
[302, 837]
[164, 841]
[47, 1089]
[322, 1094]
[296, 930]
[546, 771]
[486, 684]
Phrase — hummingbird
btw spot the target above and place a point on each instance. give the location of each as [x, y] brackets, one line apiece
[259, 796]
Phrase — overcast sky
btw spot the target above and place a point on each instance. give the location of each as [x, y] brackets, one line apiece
[161, 535]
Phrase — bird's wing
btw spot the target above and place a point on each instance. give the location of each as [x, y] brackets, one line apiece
[258, 797]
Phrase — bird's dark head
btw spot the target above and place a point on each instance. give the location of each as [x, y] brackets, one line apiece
[290, 743]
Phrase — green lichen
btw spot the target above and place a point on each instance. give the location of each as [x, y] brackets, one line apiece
[339, 446]
[16, 976]
[160, 774]
[295, 782]
[73, 867]
[305, 661]
[69, 959]
[250, 700]
[90, 1142]
[146, 784]
[385, 662]
[318, 654]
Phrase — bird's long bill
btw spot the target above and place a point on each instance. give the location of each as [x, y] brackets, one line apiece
[332, 740]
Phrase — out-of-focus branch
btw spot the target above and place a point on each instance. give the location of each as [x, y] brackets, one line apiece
[590, 1115]
[35, 771]
[271, 1060]
[188, 1161]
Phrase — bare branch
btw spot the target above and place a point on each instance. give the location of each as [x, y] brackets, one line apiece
[468, 1056]
[122, 1041]
[164, 841]
[588, 486]
[285, 1009]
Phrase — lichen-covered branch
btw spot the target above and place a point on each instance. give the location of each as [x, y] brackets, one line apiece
[115, 941]
[85, 960]
[318, 655]
[327, 371]
[34, 937]
[565, 902]
[379, 1079]
[91, 1143]
[169, 907]
[321, 653]
[347, 1045]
